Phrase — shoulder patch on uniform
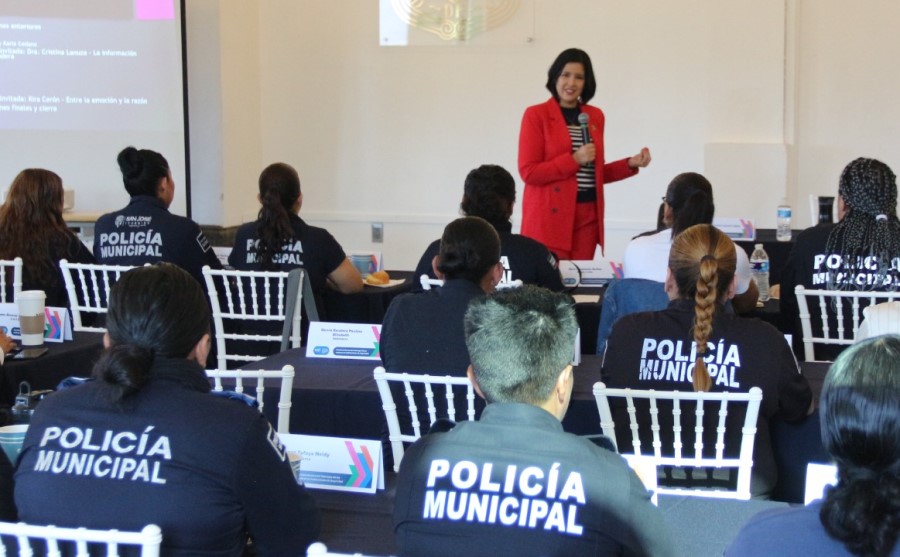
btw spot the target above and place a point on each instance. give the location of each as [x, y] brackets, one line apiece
[552, 260]
[202, 241]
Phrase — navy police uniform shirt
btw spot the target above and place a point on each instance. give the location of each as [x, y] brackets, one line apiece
[312, 248]
[655, 350]
[424, 332]
[146, 232]
[810, 264]
[207, 470]
[523, 259]
[795, 531]
[514, 483]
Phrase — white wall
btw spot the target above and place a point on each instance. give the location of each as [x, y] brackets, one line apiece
[847, 90]
[768, 98]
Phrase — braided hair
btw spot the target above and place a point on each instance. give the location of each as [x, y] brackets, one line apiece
[702, 261]
[870, 228]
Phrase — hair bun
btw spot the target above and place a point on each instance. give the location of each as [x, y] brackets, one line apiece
[130, 162]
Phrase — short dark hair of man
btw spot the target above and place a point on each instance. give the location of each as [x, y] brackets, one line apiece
[519, 341]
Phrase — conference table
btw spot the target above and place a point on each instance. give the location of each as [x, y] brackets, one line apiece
[340, 398]
[370, 305]
[64, 359]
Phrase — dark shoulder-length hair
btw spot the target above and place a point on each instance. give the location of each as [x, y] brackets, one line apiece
[859, 411]
[157, 311]
[142, 169]
[565, 57]
[32, 225]
[490, 192]
[279, 188]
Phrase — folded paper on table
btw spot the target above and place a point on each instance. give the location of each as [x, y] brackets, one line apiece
[337, 463]
[596, 272]
[57, 325]
[11, 439]
[736, 229]
[346, 341]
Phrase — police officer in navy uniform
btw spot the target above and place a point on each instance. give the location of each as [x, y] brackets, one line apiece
[861, 252]
[145, 231]
[514, 483]
[279, 240]
[145, 442]
[490, 193]
[696, 345]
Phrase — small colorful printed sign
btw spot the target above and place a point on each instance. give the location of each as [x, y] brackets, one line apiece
[347, 341]
[336, 463]
[57, 326]
[736, 229]
[596, 272]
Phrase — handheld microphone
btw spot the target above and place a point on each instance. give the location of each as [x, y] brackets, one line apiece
[583, 120]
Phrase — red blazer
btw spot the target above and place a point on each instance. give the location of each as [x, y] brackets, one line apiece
[548, 169]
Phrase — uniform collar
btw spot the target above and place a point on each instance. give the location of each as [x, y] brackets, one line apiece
[503, 228]
[147, 200]
[460, 285]
[518, 413]
[183, 372]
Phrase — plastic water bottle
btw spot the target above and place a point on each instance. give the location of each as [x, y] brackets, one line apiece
[759, 270]
[783, 231]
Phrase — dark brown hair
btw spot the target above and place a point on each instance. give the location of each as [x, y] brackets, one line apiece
[32, 226]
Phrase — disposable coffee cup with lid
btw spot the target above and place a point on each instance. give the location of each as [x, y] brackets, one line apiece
[31, 316]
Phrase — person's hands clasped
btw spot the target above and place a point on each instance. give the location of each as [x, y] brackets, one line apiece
[641, 160]
[585, 154]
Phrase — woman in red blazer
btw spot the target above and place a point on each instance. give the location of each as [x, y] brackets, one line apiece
[563, 202]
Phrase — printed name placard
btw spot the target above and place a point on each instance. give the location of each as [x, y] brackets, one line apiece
[348, 341]
[596, 272]
[336, 463]
[57, 328]
[736, 229]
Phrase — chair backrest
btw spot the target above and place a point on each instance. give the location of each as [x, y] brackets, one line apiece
[15, 267]
[399, 434]
[88, 285]
[428, 282]
[679, 454]
[511, 284]
[254, 299]
[837, 313]
[259, 376]
[879, 319]
[148, 539]
[319, 549]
